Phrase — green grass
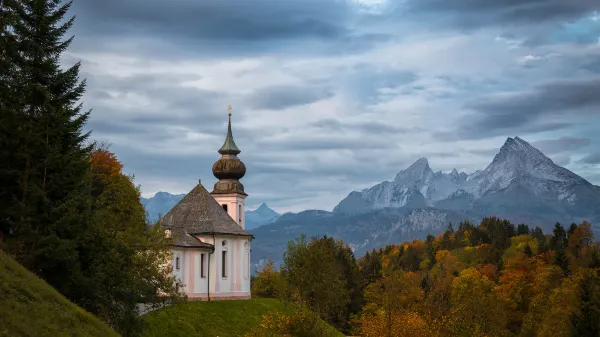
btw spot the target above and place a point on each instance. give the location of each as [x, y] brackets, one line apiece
[211, 319]
[31, 307]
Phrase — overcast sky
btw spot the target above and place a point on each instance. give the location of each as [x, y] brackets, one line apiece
[331, 96]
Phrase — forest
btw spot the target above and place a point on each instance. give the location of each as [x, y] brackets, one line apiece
[491, 279]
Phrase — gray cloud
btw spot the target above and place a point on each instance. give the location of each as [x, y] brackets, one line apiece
[215, 19]
[281, 97]
[528, 112]
[478, 13]
[593, 158]
[559, 145]
[366, 127]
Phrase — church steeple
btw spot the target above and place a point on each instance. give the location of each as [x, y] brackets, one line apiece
[229, 169]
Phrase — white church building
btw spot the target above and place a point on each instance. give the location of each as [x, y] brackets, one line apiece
[211, 250]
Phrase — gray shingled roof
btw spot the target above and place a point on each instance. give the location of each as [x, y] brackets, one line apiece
[199, 213]
[183, 239]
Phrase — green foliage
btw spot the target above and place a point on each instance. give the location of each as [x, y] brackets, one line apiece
[268, 282]
[30, 307]
[322, 274]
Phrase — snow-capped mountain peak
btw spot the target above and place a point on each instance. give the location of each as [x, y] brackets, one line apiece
[518, 178]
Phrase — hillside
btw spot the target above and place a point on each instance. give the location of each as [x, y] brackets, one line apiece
[30, 307]
[221, 318]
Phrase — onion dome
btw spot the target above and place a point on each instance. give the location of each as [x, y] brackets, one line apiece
[229, 168]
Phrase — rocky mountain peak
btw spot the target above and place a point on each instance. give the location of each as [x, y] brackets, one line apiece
[264, 210]
[416, 174]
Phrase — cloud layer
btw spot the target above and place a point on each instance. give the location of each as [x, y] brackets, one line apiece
[331, 96]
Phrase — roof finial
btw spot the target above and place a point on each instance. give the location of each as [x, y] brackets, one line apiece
[229, 110]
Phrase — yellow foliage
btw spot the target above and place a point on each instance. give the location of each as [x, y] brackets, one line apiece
[403, 324]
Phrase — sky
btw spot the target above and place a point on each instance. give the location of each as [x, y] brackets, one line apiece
[333, 96]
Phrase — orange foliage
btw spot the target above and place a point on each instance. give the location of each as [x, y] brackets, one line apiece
[105, 163]
[488, 270]
[404, 324]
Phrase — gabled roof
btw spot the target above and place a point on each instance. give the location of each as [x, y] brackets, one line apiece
[199, 213]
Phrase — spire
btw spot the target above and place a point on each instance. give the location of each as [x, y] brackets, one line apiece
[229, 146]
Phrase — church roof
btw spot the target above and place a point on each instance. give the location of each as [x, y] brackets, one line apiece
[183, 239]
[199, 213]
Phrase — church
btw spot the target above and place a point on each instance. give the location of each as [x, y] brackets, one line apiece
[211, 249]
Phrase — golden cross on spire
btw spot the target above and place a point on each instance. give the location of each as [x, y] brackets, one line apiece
[229, 110]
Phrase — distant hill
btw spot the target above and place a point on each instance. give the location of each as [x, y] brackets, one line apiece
[521, 184]
[30, 307]
[219, 318]
[162, 202]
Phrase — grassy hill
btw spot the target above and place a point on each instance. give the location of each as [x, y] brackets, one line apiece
[210, 319]
[30, 307]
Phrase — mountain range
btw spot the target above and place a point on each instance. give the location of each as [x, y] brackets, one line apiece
[521, 184]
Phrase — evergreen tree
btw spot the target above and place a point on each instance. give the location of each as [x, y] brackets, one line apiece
[561, 259]
[44, 207]
[522, 229]
[571, 230]
[527, 250]
[559, 237]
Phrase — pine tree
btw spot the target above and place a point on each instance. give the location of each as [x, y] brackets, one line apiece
[559, 237]
[44, 206]
[522, 229]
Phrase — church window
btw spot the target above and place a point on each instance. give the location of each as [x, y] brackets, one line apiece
[202, 272]
[224, 264]
[240, 214]
[177, 263]
[224, 207]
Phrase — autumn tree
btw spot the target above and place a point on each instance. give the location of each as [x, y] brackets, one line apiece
[124, 256]
[476, 307]
[397, 292]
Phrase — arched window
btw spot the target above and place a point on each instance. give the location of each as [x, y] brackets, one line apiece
[240, 214]
[224, 259]
[224, 207]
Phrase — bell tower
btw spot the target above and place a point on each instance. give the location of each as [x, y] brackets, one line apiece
[229, 169]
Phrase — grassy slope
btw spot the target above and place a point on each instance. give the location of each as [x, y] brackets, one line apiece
[30, 307]
[210, 319]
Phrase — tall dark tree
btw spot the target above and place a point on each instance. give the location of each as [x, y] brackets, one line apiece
[522, 229]
[559, 237]
[430, 250]
[44, 207]
[571, 230]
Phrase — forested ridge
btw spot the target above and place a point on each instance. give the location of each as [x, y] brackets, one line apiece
[491, 279]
